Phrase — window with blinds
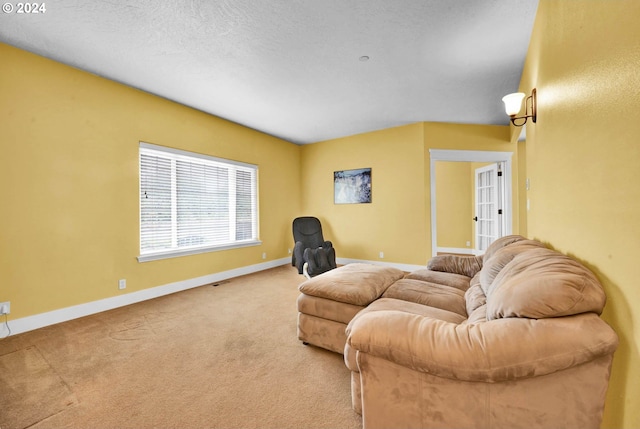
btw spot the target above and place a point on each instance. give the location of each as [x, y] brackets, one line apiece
[192, 203]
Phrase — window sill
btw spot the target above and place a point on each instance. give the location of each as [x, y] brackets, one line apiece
[195, 251]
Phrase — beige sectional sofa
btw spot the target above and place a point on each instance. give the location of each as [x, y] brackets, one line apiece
[509, 339]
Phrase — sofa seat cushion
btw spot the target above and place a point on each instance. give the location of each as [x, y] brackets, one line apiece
[428, 294]
[327, 309]
[357, 283]
[542, 283]
[457, 281]
[392, 304]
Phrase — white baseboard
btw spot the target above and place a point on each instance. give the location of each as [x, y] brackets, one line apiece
[458, 250]
[403, 267]
[41, 320]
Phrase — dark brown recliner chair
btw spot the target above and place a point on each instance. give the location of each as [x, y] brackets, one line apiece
[311, 247]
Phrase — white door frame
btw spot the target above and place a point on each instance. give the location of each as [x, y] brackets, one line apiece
[470, 156]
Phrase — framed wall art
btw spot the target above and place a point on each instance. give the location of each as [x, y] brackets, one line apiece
[352, 186]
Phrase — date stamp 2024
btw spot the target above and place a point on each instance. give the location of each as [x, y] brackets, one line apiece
[24, 8]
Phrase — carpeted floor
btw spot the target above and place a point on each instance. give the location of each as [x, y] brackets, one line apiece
[210, 357]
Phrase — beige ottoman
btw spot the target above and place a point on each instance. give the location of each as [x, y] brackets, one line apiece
[328, 302]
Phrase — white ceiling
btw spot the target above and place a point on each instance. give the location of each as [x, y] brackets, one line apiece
[292, 68]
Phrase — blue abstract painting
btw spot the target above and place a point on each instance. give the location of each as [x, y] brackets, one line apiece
[352, 186]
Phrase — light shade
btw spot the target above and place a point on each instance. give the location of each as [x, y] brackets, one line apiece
[513, 103]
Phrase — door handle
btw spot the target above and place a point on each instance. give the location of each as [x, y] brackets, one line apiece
[475, 218]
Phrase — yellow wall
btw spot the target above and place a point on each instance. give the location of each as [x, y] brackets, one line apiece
[583, 159]
[454, 203]
[398, 221]
[69, 179]
[394, 222]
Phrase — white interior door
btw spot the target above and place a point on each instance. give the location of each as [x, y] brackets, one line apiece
[487, 207]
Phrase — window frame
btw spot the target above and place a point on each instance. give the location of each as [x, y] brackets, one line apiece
[182, 155]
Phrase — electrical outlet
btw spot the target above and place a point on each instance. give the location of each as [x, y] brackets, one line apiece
[122, 284]
[381, 255]
[264, 255]
[5, 307]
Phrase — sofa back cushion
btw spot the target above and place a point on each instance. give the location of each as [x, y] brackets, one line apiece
[539, 283]
[499, 243]
[493, 264]
[474, 297]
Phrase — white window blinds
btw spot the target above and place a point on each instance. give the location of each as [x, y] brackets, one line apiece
[192, 203]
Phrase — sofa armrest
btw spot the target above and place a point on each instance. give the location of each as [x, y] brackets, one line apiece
[494, 351]
[464, 265]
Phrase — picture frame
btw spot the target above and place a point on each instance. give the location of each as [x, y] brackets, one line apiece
[352, 186]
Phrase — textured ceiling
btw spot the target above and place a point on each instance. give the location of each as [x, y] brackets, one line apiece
[292, 68]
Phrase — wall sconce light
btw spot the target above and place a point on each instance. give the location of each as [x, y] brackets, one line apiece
[513, 103]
